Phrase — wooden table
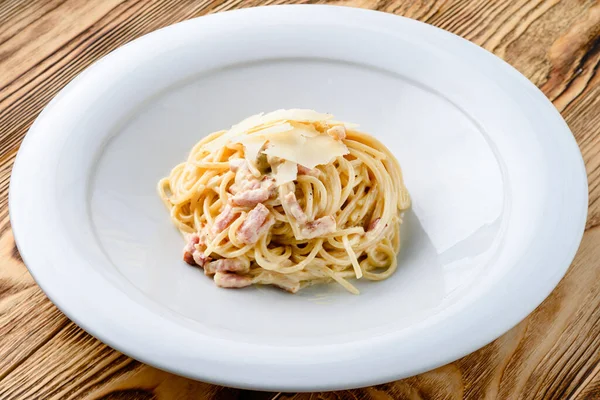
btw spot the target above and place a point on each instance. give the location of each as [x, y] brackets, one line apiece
[553, 354]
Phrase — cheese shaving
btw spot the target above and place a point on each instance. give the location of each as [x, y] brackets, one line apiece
[254, 143]
[252, 146]
[286, 172]
[272, 130]
[299, 115]
[309, 153]
[306, 130]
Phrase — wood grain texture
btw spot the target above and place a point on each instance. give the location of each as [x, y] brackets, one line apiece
[553, 354]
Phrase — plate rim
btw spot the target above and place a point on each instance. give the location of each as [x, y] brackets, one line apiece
[490, 333]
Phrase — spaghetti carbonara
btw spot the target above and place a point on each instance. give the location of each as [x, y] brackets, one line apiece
[289, 198]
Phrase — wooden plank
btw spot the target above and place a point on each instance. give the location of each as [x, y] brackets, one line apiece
[96, 371]
[27, 318]
[553, 354]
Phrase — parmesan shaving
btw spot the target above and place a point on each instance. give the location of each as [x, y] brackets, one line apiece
[309, 153]
[306, 130]
[287, 171]
[254, 143]
[273, 130]
[252, 146]
[254, 121]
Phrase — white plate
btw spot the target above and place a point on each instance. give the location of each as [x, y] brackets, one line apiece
[497, 181]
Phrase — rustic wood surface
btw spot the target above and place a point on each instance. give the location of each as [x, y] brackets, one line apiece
[553, 354]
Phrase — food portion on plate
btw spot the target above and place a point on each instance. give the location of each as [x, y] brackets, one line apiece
[289, 198]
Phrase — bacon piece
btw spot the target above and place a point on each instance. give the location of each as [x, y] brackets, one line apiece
[257, 223]
[249, 184]
[225, 265]
[302, 170]
[248, 190]
[188, 258]
[337, 132]
[254, 191]
[244, 180]
[190, 248]
[229, 280]
[294, 207]
[373, 224]
[320, 227]
[249, 198]
[223, 220]
[191, 252]
[269, 183]
[200, 258]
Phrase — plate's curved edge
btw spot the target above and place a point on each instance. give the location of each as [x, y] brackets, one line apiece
[483, 339]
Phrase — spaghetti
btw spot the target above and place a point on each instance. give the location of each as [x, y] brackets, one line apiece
[290, 198]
